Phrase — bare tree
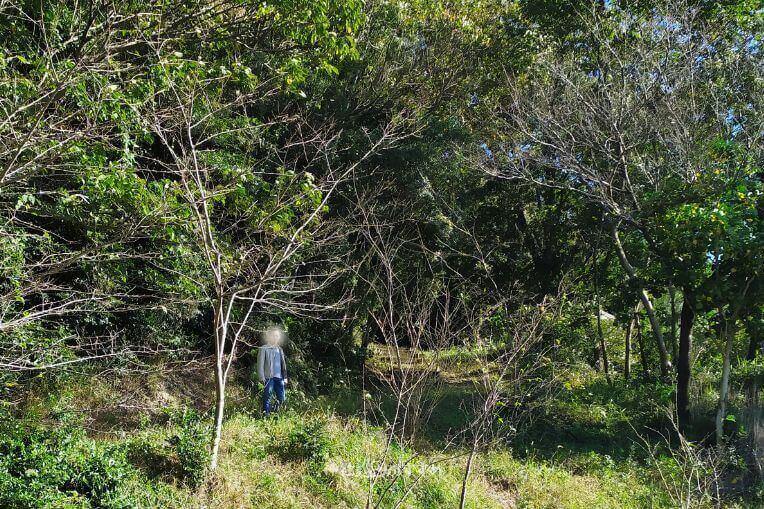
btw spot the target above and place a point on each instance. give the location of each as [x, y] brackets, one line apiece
[422, 311]
[275, 253]
[54, 143]
[413, 322]
[626, 117]
[256, 269]
[505, 392]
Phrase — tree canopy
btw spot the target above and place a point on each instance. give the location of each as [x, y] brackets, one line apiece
[543, 187]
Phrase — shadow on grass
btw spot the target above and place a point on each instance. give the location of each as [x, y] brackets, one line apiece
[596, 417]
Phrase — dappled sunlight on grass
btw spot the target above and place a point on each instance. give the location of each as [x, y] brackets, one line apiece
[581, 452]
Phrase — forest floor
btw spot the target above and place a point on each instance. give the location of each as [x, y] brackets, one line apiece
[318, 452]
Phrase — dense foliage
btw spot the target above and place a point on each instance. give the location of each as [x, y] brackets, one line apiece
[558, 204]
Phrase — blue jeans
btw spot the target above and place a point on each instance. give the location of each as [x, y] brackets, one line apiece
[272, 385]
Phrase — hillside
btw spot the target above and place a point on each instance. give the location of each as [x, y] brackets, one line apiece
[132, 440]
[494, 253]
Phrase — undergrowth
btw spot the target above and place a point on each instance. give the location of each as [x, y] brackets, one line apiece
[319, 453]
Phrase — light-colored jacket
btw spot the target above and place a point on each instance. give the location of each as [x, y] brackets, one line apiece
[271, 362]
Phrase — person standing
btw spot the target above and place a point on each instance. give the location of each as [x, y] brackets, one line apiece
[272, 369]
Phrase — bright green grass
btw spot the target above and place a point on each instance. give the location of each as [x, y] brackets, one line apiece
[319, 453]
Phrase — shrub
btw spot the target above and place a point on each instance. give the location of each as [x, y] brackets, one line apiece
[178, 451]
[190, 441]
[153, 455]
[101, 474]
[307, 440]
[61, 468]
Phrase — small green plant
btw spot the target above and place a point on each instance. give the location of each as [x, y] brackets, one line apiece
[190, 442]
[307, 440]
[151, 453]
[265, 484]
[433, 492]
[62, 468]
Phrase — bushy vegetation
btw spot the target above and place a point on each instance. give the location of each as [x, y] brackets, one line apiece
[515, 246]
[586, 452]
[44, 467]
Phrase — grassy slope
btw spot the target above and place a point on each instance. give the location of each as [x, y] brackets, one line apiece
[266, 463]
[318, 453]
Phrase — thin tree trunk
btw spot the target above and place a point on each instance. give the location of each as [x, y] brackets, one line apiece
[674, 318]
[220, 337]
[627, 350]
[756, 418]
[603, 343]
[600, 335]
[641, 343]
[467, 472]
[728, 334]
[754, 421]
[683, 364]
[665, 363]
[648, 305]
[219, 412]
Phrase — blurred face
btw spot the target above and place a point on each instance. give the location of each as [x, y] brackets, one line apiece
[273, 337]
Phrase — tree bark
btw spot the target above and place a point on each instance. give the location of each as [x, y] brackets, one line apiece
[600, 335]
[683, 365]
[220, 338]
[603, 345]
[219, 411]
[728, 334]
[756, 427]
[755, 414]
[665, 363]
[641, 343]
[627, 350]
[674, 318]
